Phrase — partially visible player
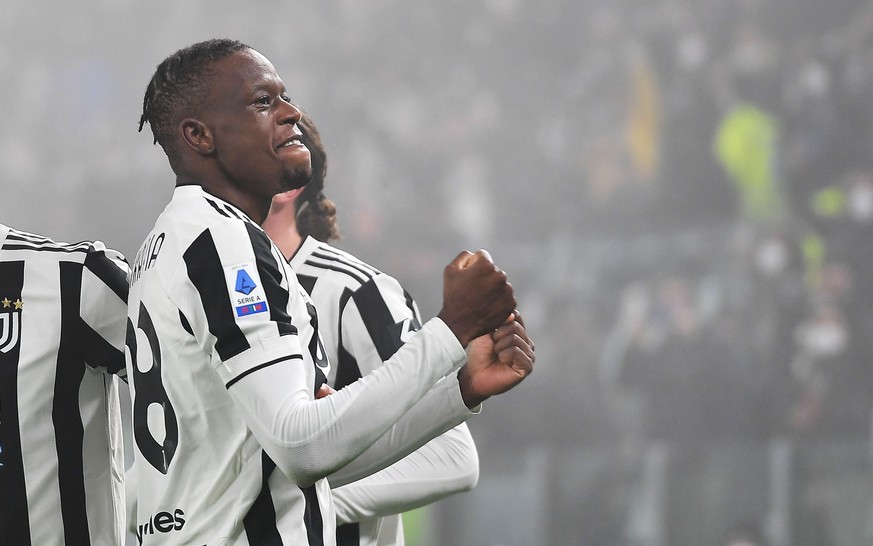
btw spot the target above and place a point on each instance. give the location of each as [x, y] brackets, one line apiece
[62, 317]
[225, 358]
[365, 316]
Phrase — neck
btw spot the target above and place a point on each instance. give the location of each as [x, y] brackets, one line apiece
[281, 226]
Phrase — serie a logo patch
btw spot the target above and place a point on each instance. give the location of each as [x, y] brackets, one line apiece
[10, 323]
[246, 291]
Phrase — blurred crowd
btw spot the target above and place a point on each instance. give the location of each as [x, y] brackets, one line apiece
[726, 238]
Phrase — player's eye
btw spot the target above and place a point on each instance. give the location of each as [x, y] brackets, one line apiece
[285, 98]
[263, 101]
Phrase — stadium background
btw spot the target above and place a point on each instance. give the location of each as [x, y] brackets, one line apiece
[679, 191]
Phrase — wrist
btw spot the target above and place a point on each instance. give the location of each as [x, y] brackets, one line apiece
[459, 332]
[468, 393]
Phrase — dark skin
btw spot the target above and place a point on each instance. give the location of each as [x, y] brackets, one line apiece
[238, 148]
[242, 147]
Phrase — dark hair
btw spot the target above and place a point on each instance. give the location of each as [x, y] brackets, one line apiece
[178, 87]
[316, 214]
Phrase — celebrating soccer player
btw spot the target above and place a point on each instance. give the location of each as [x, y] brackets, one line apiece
[232, 445]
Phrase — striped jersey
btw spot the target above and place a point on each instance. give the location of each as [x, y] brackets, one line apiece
[62, 316]
[365, 317]
[224, 361]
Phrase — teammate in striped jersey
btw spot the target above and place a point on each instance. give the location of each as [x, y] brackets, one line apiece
[62, 315]
[225, 356]
[365, 316]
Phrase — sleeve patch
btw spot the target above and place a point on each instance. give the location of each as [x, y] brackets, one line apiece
[245, 289]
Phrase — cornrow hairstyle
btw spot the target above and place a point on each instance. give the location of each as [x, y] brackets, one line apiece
[316, 214]
[179, 86]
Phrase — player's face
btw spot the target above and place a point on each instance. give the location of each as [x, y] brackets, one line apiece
[254, 127]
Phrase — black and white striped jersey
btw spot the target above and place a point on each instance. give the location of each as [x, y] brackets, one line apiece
[365, 316]
[62, 316]
[225, 359]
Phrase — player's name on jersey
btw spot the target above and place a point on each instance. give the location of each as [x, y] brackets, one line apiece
[146, 256]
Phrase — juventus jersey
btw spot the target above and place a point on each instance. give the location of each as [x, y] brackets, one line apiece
[62, 314]
[365, 317]
[224, 362]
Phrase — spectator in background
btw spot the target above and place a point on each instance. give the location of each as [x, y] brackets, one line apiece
[694, 406]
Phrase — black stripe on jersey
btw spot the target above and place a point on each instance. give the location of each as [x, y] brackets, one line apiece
[29, 241]
[65, 409]
[14, 522]
[18, 235]
[98, 352]
[218, 209]
[312, 517]
[207, 275]
[185, 324]
[347, 369]
[307, 282]
[329, 253]
[378, 319]
[260, 521]
[348, 534]
[106, 270]
[410, 304]
[339, 265]
[234, 213]
[46, 248]
[271, 279]
[262, 366]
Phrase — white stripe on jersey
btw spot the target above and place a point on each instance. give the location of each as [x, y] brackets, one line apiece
[61, 459]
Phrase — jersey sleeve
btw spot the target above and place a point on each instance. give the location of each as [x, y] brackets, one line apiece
[103, 308]
[446, 465]
[416, 427]
[310, 439]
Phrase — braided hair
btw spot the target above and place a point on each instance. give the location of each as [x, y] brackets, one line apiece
[316, 214]
[179, 87]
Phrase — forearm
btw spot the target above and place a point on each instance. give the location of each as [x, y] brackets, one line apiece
[309, 439]
[446, 465]
[440, 410]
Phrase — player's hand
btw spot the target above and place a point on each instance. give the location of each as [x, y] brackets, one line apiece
[496, 362]
[324, 390]
[476, 296]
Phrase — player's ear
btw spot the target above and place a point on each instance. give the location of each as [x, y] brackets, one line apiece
[197, 136]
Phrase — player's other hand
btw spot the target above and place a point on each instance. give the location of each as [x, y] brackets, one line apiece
[324, 390]
[476, 296]
[496, 362]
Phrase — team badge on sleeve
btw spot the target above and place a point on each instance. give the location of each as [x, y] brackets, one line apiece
[246, 293]
[10, 312]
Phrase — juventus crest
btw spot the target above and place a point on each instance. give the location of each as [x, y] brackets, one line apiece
[10, 323]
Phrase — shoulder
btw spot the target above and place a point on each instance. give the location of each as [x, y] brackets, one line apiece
[23, 240]
[331, 265]
[32, 244]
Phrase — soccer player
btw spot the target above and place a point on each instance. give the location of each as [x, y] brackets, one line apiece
[62, 317]
[364, 317]
[232, 447]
